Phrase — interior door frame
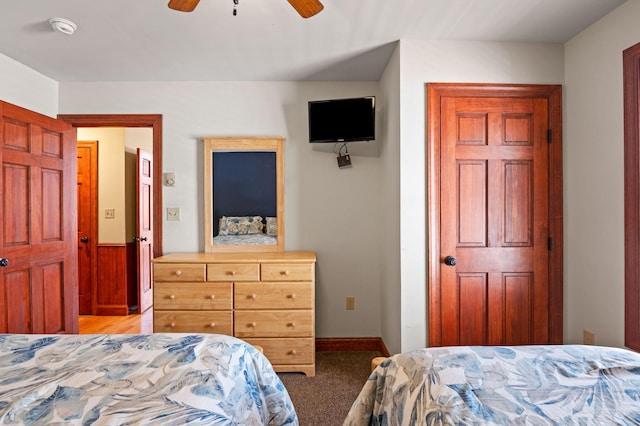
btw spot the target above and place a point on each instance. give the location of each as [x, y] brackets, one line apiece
[631, 76]
[435, 93]
[154, 121]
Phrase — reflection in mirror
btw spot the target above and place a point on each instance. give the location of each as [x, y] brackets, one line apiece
[244, 194]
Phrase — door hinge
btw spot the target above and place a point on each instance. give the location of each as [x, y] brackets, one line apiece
[549, 136]
[550, 243]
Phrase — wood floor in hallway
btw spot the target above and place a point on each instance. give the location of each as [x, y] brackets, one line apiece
[128, 324]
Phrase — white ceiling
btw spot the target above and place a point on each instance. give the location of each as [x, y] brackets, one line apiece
[144, 40]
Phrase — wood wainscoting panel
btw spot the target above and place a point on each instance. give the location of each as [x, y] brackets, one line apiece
[116, 279]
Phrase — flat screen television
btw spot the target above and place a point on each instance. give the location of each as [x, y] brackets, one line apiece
[342, 120]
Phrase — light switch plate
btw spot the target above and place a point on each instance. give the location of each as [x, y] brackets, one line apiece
[109, 213]
[173, 213]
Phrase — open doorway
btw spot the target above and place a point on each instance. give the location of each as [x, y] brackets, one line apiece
[154, 122]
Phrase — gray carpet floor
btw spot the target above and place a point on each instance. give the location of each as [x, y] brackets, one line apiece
[325, 400]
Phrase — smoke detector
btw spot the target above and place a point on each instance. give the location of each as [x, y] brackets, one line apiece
[63, 25]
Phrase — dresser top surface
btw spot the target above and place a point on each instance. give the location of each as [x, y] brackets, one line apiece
[231, 257]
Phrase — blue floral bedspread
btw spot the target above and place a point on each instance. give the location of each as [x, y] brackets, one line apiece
[522, 385]
[138, 379]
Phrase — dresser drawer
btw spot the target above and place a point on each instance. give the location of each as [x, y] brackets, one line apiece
[272, 295]
[287, 271]
[178, 272]
[219, 322]
[273, 323]
[286, 351]
[192, 296]
[233, 272]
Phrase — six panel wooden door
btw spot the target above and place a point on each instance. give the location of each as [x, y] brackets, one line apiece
[144, 229]
[492, 282]
[87, 225]
[38, 284]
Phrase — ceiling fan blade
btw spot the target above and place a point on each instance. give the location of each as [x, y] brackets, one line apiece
[183, 5]
[306, 8]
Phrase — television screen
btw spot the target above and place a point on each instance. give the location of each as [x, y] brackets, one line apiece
[342, 120]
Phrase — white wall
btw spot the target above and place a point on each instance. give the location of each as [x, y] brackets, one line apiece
[594, 179]
[390, 199]
[334, 212]
[348, 216]
[22, 86]
[446, 61]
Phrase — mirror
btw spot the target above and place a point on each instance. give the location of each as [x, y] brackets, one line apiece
[244, 194]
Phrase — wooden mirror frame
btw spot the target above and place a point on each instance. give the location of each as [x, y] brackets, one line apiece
[239, 144]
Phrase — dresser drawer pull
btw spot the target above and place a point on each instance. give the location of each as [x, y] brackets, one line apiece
[178, 273]
[211, 297]
[172, 325]
[291, 324]
[232, 273]
[212, 325]
[293, 352]
[252, 325]
[285, 273]
[292, 296]
[172, 296]
[253, 296]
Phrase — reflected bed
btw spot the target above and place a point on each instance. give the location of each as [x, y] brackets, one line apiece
[251, 239]
[246, 230]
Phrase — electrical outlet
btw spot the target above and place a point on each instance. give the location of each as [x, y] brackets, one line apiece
[588, 337]
[109, 213]
[351, 303]
[173, 213]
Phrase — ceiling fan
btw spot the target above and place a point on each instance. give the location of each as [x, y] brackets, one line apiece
[306, 8]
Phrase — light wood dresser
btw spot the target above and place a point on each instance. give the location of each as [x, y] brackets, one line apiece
[266, 299]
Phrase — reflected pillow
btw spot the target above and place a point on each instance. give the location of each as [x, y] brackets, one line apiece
[272, 226]
[240, 225]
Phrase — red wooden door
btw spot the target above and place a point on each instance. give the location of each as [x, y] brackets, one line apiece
[38, 285]
[87, 224]
[494, 221]
[144, 229]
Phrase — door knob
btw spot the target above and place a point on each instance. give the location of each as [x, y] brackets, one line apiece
[138, 239]
[84, 239]
[4, 262]
[450, 261]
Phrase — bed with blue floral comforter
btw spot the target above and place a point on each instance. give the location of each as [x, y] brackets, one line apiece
[138, 379]
[521, 385]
